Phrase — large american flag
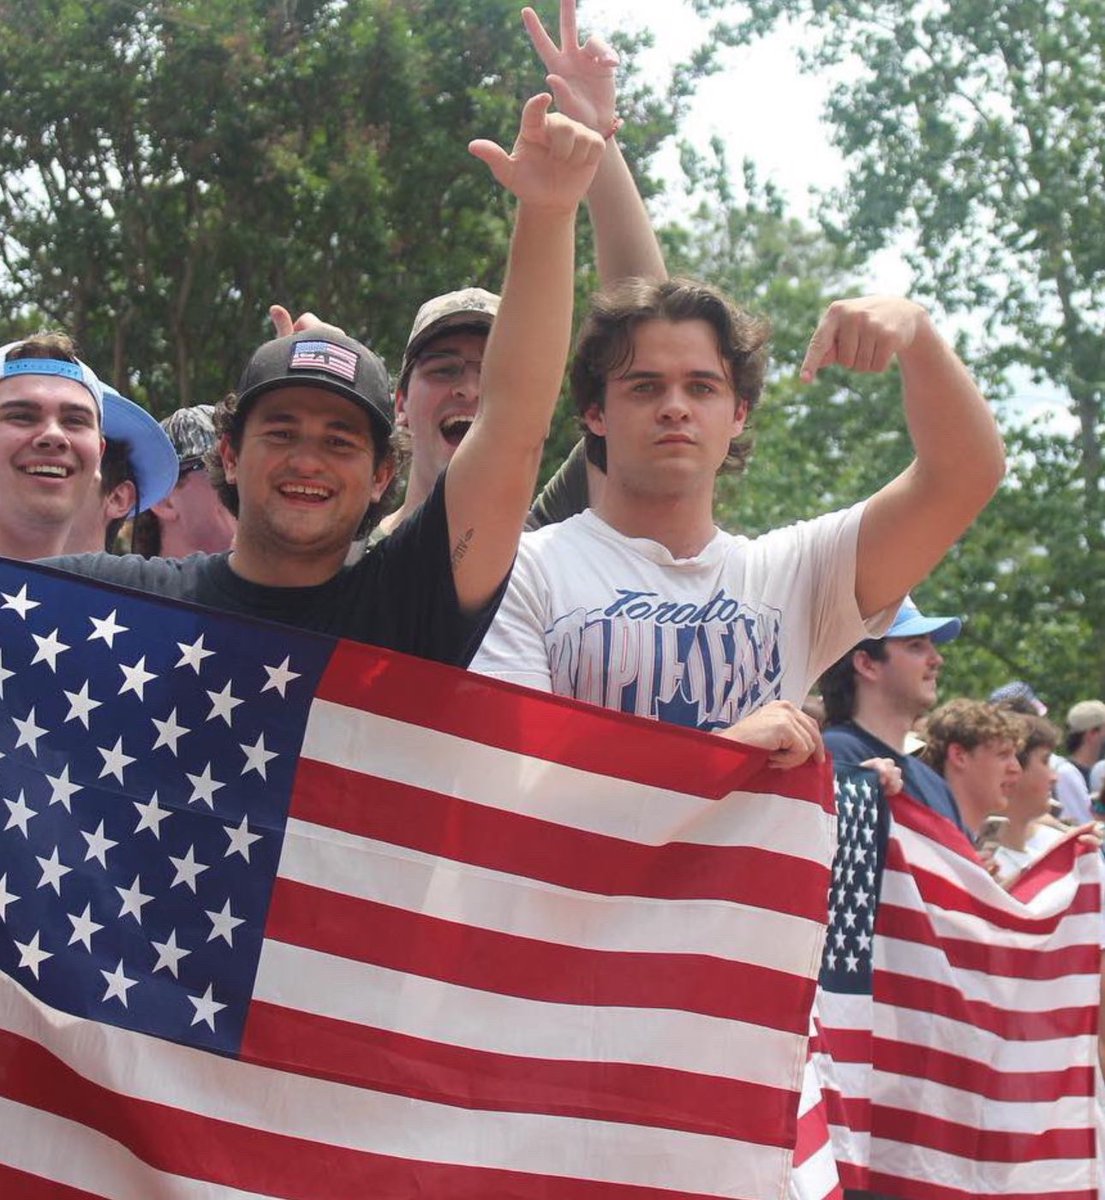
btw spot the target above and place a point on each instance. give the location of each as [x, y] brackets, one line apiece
[289, 917]
[956, 1027]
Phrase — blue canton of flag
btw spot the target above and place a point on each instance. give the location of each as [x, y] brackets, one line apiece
[147, 754]
[862, 825]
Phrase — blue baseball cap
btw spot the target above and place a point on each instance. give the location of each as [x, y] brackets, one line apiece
[911, 622]
[152, 455]
[76, 370]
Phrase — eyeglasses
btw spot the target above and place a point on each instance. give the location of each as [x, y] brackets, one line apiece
[447, 368]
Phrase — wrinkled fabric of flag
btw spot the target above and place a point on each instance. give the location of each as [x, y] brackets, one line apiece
[288, 917]
[956, 1025]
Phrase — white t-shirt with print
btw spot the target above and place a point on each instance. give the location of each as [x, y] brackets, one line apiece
[701, 641]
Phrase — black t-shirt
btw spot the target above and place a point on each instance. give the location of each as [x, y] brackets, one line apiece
[851, 744]
[400, 595]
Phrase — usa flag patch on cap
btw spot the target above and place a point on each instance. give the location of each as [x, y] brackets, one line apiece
[324, 356]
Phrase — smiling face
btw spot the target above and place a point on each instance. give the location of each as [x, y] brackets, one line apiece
[50, 447]
[306, 473]
[982, 778]
[438, 404]
[670, 413]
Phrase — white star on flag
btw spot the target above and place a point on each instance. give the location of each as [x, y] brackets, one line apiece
[151, 814]
[5, 675]
[257, 757]
[49, 647]
[169, 954]
[206, 1008]
[117, 984]
[20, 604]
[240, 840]
[223, 924]
[133, 899]
[83, 928]
[98, 845]
[204, 787]
[21, 812]
[6, 897]
[222, 704]
[29, 732]
[193, 655]
[81, 705]
[115, 761]
[52, 871]
[136, 678]
[61, 789]
[280, 677]
[168, 732]
[30, 955]
[187, 869]
[106, 628]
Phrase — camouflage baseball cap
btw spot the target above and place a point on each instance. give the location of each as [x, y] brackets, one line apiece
[191, 430]
[469, 306]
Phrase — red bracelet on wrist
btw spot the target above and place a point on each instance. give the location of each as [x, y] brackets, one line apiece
[615, 125]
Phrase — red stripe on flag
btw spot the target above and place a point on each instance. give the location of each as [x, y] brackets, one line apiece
[489, 961]
[954, 897]
[231, 1155]
[922, 995]
[1025, 962]
[554, 728]
[882, 1183]
[981, 1145]
[404, 815]
[621, 1092]
[19, 1185]
[971, 1075]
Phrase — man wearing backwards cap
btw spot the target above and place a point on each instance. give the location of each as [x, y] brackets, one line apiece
[191, 518]
[438, 387]
[51, 421]
[1085, 737]
[304, 451]
[875, 693]
[138, 469]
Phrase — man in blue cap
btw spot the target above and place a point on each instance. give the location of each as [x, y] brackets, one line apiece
[875, 693]
[138, 469]
[51, 439]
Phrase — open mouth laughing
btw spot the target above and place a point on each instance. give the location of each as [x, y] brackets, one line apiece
[454, 428]
[309, 493]
[47, 470]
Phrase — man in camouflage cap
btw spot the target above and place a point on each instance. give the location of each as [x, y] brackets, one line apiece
[191, 517]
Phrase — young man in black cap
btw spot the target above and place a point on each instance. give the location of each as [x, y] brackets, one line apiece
[304, 449]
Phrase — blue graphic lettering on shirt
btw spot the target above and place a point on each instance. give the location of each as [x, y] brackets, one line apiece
[701, 665]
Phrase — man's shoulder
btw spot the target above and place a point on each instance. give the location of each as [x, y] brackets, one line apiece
[851, 745]
[159, 575]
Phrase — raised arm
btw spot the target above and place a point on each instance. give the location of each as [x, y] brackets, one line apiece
[910, 524]
[582, 81]
[490, 480]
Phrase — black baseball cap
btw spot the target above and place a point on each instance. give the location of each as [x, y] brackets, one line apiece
[320, 358]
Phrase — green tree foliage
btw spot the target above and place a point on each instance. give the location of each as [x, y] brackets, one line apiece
[974, 130]
[167, 170]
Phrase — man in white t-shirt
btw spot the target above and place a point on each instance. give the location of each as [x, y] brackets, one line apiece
[1085, 738]
[641, 604]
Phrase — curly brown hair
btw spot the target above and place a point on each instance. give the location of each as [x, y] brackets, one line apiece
[605, 345]
[969, 723]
